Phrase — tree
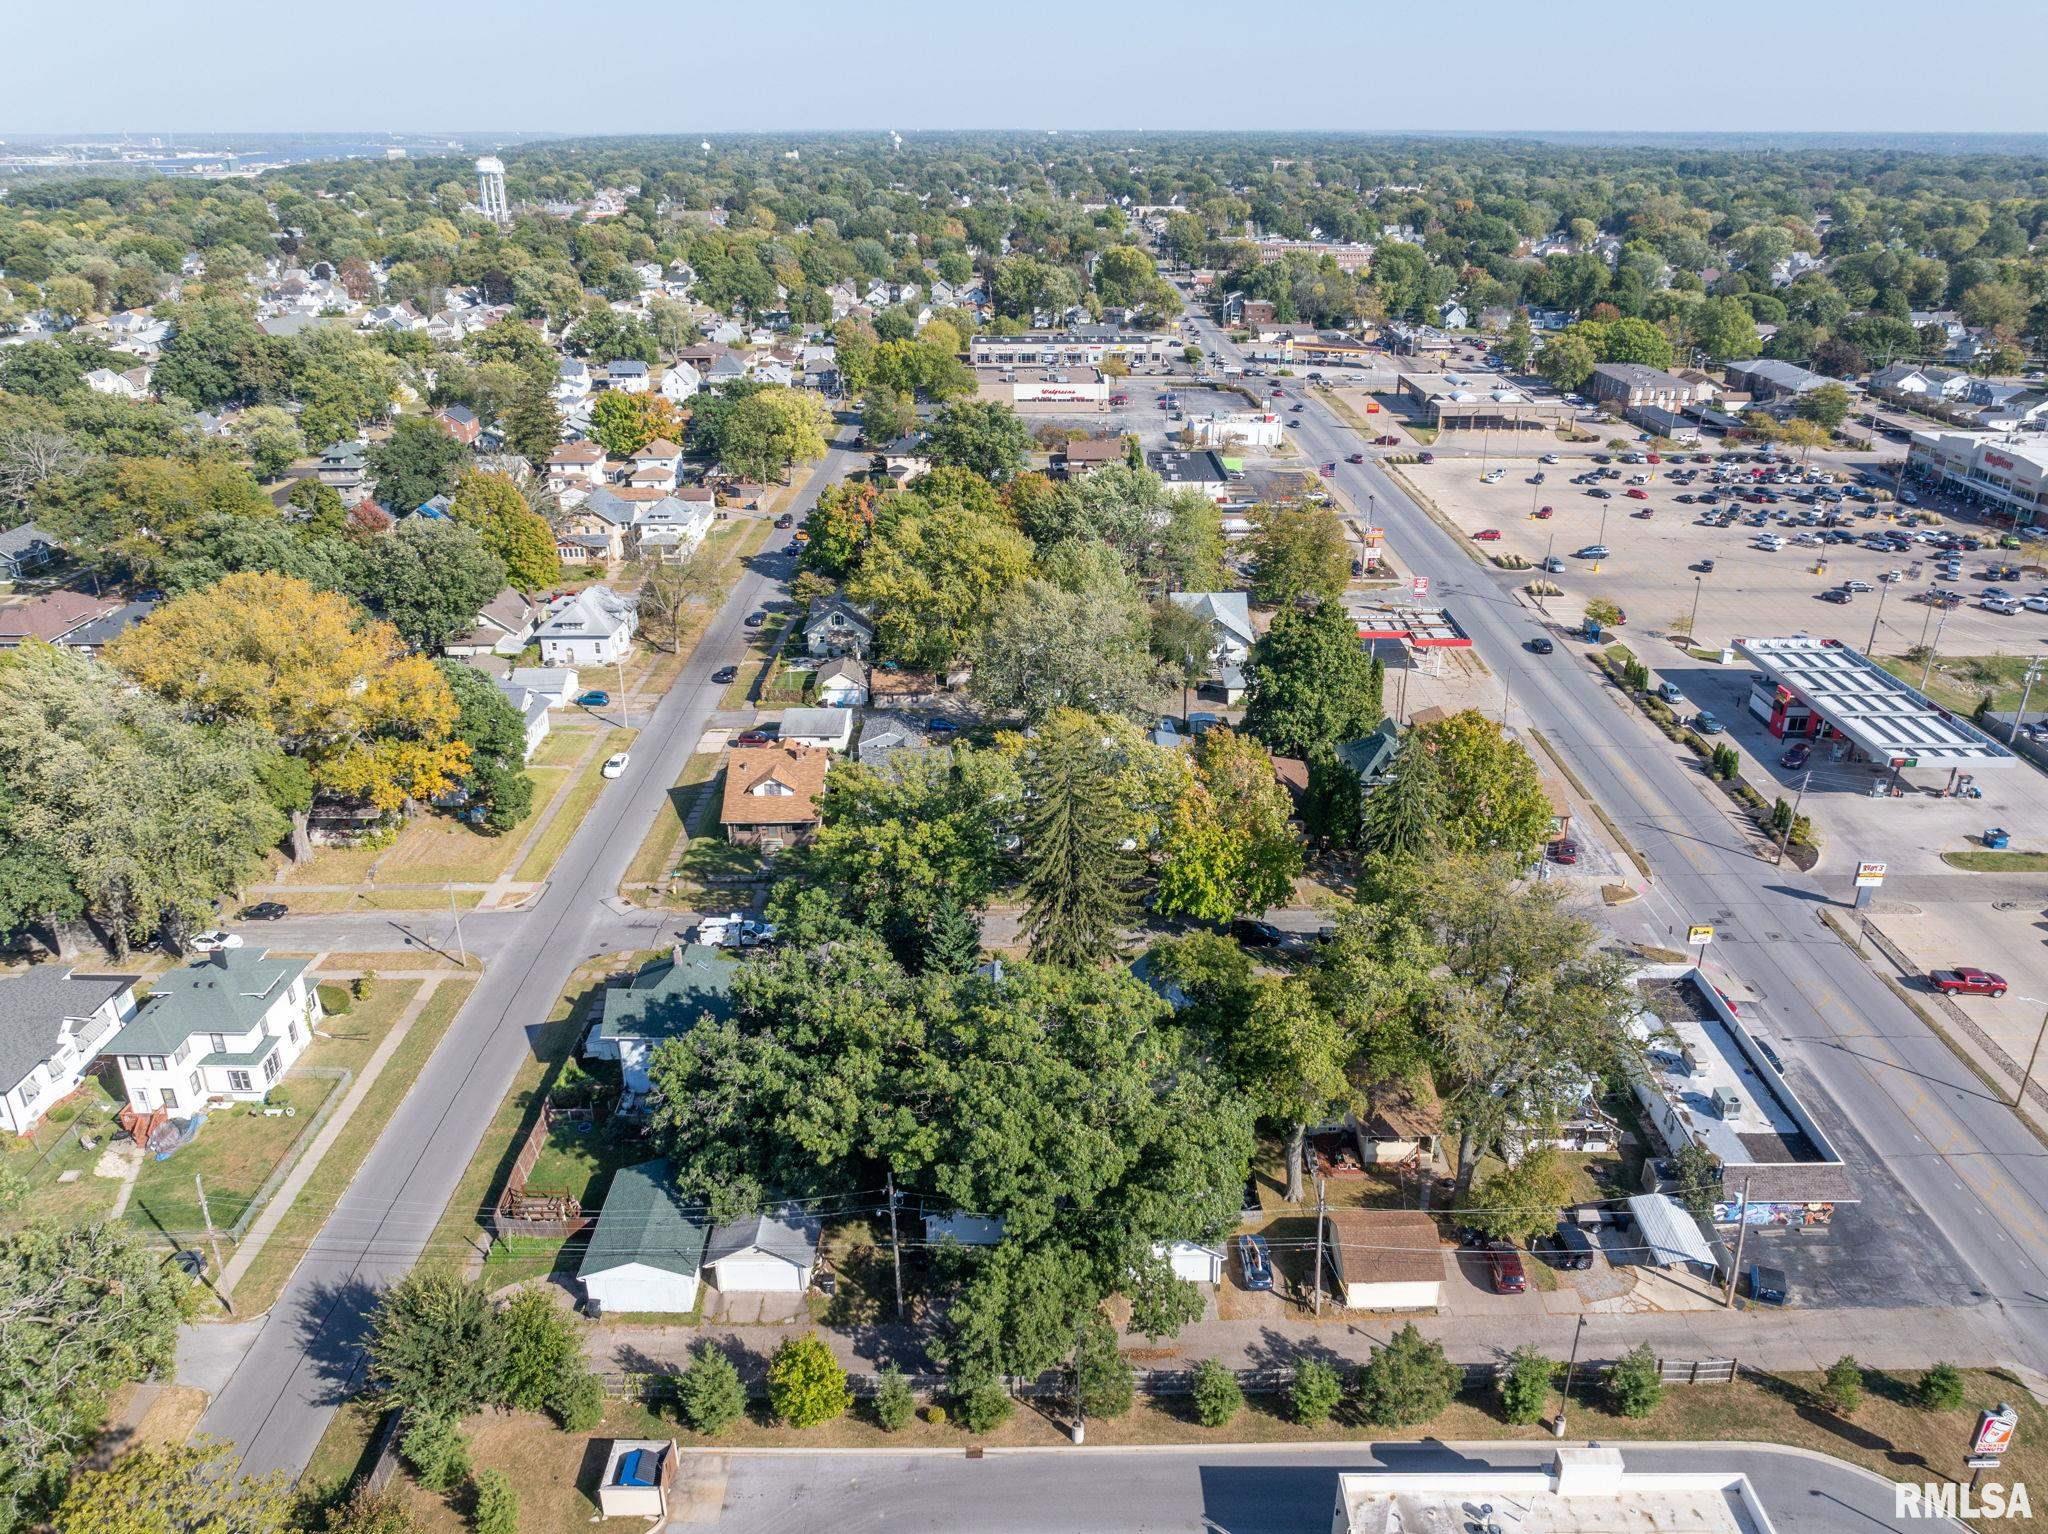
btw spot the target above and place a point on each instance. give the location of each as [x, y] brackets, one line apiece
[1404, 816]
[1410, 1380]
[1103, 1383]
[1048, 648]
[1803, 434]
[538, 1349]
[1697, 1173]
[270, 439]
[1521, 1202]
[577, 1401]
[933, 578]
[429, 579]
[1311, 682]
[506, 526]
[1315, 1393]
[982, 437]
[176, 1489]
[1229, 848]
[496, 1508]
[1940, 1389]
[434, 1447]
[370, 1511]
[1078, 874]
[1217, 1395]
[1566, 361]
[1826, 405]
[894, 1403]
[710, 1393]
[1524, 1385]
[806, 1385]
[625, 423]
[1496, 799]
[82, 1312]
[984, 1404]
[1841, 1388]
[669, 594]
[1724, 329]
[1297, 552]
[532, 425]
[1519, 344]
[436, 1343]
[417, 462]
[885, 415]
[1635, 1384]
[1293, 1058]
[768, 431]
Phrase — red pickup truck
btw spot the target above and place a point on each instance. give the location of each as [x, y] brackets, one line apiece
[1965, 981]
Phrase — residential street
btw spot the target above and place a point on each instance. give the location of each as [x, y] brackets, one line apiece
[306, 1356]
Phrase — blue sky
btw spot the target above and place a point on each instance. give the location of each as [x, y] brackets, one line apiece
[686, 66]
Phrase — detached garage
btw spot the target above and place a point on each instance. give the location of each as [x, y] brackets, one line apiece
[1385, 1259]
[1196, 1261]
[646, 1249]
[763, 1254]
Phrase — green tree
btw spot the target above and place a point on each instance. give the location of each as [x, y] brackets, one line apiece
[885, 415]
[1047, 647]
[1826, 406]
[806, 1384]
[1217, 1395]
[1724, 329]
[1410, 1380]
[417, 462]
[1293, 1058]
[176, 1489]
[1566, 361]
[1078, 875]
[1404, 817]
[710, 1393]
[1229, 846]
[1697, 1173]
[496, 1506]
[985, 438]
[1521, 1202]
[624, 423]
[1315, 1393]
[1103, 1383]
[429, 579]
[1524, 1385]
[434, 1447]
[538, 1348]
[508, 528]
[1311, 682]
[270, 438]
[1297, 552]
[770, 430]
[436, 1343]
[1841, 1388]
[1519, 344]
[369, 1511]
[577, 1401]
[1635, 1385]
[1940, 1389]
[532, 425]
[1496, 798]
[894, 1402]
[934, 578]
[984, 1405]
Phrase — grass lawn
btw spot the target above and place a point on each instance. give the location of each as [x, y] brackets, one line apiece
[259, 1286]
[1980, 860]
[576, 803]
[1959, 681]
[764, 645]
[563, 747]
[52, 1149]
[235, 1151]
[711, 865]
[657, 855]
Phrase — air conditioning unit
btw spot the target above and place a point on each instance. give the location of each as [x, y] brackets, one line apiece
[1726, 1103]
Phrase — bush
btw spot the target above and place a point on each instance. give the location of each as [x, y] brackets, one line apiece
[1525, 1386]
[935, 1414]
[371, 1512]
[496, 1508]
[1635, 1386]
[1409, 1380]
[539, 1347]
[710, 1394]
[577, 1401]
[894, 1404]
[1841, 1389]
[1315, 1393]
[363, 985]
[335, 1000]
[806, 1385]
[1103, 1375]
[1218, 1396]
[435, 1449]
[984, 1406]
[1940, 1388]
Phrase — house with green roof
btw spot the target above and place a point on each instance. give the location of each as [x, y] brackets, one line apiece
[664, 1001]
[646, 1252]
[222, 1029]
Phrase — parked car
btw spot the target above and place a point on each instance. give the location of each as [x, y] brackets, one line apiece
[725, 674]
[1386, 440]
[1562, 850]
[1487, 535]
[754, 737]
[1964, 980]
[1796, 756]
[1706, 723]
[1567, 1247]
[942, 726]
[213, 942]
[615, 765]
[1257, 934]
[595, 698]
[1255, 1262]
[1669, 692]
[265, 910]
[1426, 458]
[756, 619]
[1545, 513]
[1593, 551]
[1504, 1268]
[785, 520]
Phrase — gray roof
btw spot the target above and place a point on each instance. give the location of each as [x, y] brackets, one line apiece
[1668, 1231]
[17, 541]
[643, 1220]
[829, 723]
[225, 992]
[611, 506]
[91, 635]
[667, 998]
[34, 1004]
[792, 1237]
[824, 608]
[1229, 610]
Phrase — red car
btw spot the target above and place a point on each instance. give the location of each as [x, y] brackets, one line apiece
[1636, 493]
[1563, 850]
[755, 738]
[1544, 513]
[1488, 535]
[1389, 440]
[1504, 1267]
[1652, 458]
[1964, 980]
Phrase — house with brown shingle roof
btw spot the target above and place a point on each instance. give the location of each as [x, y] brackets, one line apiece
[771, 795]
[51, 617]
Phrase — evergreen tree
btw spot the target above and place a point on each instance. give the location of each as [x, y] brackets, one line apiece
[1334, 809]
[710, 1393]
[1078, 874]
[532, 428]
[1410, 1380]
[951, 942]
[1404, 815]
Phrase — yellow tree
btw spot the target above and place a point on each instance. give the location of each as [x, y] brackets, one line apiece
[329, 684]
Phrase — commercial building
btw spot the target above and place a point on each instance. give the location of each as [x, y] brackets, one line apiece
[1203, 471]
[1630, 384]
[1082, 344]
[1242, 428]
[1990, 469]
[1766, 378]
[1069, 386]
[1581, 1491]
[1456, 402]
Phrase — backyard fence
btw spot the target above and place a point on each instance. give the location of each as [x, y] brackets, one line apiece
[553, 1214]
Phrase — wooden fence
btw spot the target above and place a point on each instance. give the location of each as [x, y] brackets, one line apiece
[552, 1214]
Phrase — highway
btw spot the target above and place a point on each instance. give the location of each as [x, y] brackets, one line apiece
[308, 1354]
[1973, 1170]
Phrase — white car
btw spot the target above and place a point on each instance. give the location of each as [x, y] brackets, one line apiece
[2001, 603]
[1770, 542]
[1550, 458]
[2037, 604]
[615, 766]
[1493, 476]
[214, 942]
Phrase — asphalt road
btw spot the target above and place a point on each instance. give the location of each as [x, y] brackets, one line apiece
[1249, 1491]
[1978, 1177]
[307, 1356]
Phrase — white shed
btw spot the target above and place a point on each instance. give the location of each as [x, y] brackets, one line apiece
[966, 1229]
[639, 1473]
[1196, 1261]
[763, 1254]
[646, 1249]
[1385, 1259]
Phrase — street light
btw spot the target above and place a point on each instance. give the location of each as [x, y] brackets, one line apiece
[1692, 624]
[2027, 1076]
[2026, 692]
[1884, 588]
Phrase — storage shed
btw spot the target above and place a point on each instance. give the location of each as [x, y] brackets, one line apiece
[1385, 1259]
[763, 1254]
[646, 1249]
[1196, 1261]
[639, 1474]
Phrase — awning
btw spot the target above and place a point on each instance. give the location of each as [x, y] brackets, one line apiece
[1669, 1232]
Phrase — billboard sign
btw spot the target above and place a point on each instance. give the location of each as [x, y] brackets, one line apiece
[1869, 875]
[1700, 935]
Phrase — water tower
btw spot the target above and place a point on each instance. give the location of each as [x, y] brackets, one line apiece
[490, 189]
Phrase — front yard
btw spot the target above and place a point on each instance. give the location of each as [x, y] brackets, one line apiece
[235, 1151]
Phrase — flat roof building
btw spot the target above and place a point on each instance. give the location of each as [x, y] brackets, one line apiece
[1581, 1491]
[1990, 468]
[1459, 402]
[1823, 690]
[1072, 347]
[1070, 386]
[1203, 471]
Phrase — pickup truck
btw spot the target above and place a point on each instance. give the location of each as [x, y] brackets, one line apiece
[1965, 981]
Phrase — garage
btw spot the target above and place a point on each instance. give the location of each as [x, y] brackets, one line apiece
[646, 1250]
[1384, 1259]
[1195, 1261]
[762, 1254]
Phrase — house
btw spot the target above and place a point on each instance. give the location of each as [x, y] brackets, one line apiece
[575, 463]
[884, 735]
[52, 1024]
[770, 1253]
[771, 795]
[344, 467]
[119, 385]
[24, 550]
[1767, 379]
[595, 627]
[582, 548]
[223, 1027]
[962, 1229]
[532, 708]
[572, 381]
[1384, 1259]
[639, 1476]
[49, 618]
[672, 529]
[646, 1251]
[505, 626]
[626, 376]
[834, 626]
[1079, 459]
[1200, 471]
[605, 517]
[460, 422]
[1196, 1262]
[1372, 756]
[1400, 1124]
[679, 382]
[665, 1000]
[824, 729]
[1634, 384]
[841, 683]
[1228, 614]
[557, 684]
[92, 635]
[1452, 315]
[902, 460]
[658, 463]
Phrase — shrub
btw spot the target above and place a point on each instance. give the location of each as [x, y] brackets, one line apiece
[1841, 1389]
[935, 1414]
[1316, 1392]
[1218, 1396]
[371, 1512]
[710, 1394]
[496, 1508]
[335, 1000]
[894, 1403]
[434, 1447]
[1103, 1376]
[539, 1346]
[577, 1401]
[984, 1406]
[1635, 1386]
[1940, 1388]
[1409, 1380]
[13, 1186]
[363, 985]
[806, 1385]
[1525, 1386]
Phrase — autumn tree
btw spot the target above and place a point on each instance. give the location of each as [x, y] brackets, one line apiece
[772, 429]
[177, 1489]
[510, 529]
[1229, 848]
[840, 526]
[624, 423]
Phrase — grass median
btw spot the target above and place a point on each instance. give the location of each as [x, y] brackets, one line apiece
[539, 861]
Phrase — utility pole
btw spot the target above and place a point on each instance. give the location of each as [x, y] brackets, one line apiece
[1935, 648]
[1692, 624]
[895, 1249]
[2020, 1096]
[212, 1239]
[2026, 692]
[1884, 588]
[1319, 1244]
[625, 708]
[1570, 1366]
[1741, 1237]
[1799, 798]
[455, 912]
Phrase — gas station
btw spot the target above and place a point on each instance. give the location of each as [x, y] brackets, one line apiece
[1425, 635]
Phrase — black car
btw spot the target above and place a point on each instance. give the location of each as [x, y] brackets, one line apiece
[726, 674]
[755, 620]
[1540, 646]
[1566, 1247]
[265, 910]
[1257, 934]
[1600, 495]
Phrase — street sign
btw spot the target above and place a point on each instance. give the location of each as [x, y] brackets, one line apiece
[1995, 1428]
[1418, 586]
[1700, 935]
[1869, 875]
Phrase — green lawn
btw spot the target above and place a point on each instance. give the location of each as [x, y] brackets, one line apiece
[1979, 860]
[581, 795]
[562, 748]
[1959, 682]
[656, 858]
[235, 1151]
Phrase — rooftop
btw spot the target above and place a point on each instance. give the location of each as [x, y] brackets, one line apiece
[225, 992]
[1886, 718]
[34, 1004]
[669, 996]
[1422, 627]
[1581, 1491]
[1387, 1246]
[644, 1221]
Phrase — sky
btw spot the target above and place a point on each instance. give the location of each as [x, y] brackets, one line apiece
[685, 66]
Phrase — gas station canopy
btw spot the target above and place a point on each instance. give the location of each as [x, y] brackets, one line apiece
[1890, 721]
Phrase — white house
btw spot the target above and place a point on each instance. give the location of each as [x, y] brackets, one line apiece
[572, 381]
[841, 683]
[672, 529]
[646, 1252]
[627, 376]
[532, 708]
[836, 627]
[52, 1025]
[558, 684]
[657, 465]
[1196, 1261]
[828, 729]
[679, 382]
[593, 628]
[763, 1254]
[1230, 621]
[577, 462]
[223, 1027]
[120, 385]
